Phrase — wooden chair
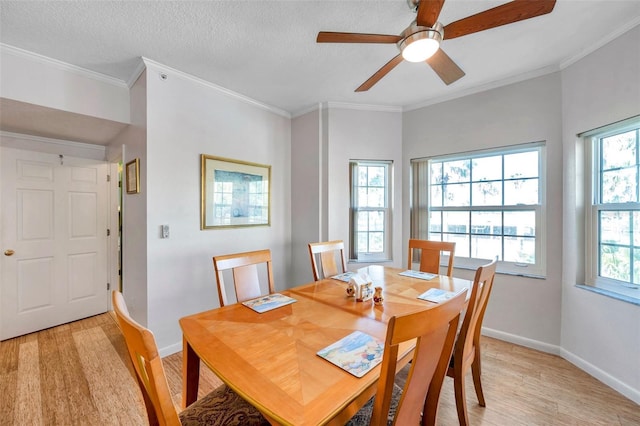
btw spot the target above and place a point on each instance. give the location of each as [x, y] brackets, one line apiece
[220, 407]
[466, 353]
[246, 280]
[435, 331]
[430, 255]
[328, 252]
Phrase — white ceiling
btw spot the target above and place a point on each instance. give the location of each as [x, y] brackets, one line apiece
[266, 50]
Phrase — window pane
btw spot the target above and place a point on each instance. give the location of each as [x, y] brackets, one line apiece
[363, 242]
[456, 194]
[614, 262]
[456, 171]
[487, 168]
[435, 237]
[522, 191]
[363, 221]
[522, 164]
[520, 249]
[462, 243]
[362, 176]
[619, 151]
[376, 242]
[376, 221]
[636, 265]
[435, 222]
[619, 186]
[457, 222]
[436, 196]
[376, 176]
[487, 223]
[636, 228]
[362, 197]
[375, 197]
[485, 246]
[436, 173]
[487, 193]
[520, 223]
[615, 227]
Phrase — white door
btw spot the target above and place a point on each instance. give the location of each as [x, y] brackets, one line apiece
[54, 240]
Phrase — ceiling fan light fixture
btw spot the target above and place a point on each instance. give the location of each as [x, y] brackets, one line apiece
[421, 43]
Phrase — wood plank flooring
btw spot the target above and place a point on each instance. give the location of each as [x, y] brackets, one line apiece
[80, 374]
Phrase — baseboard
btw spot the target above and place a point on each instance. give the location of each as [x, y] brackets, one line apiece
[522, 341]
[604, 377]
[170, 350]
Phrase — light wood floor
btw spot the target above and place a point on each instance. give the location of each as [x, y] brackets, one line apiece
[79, 373]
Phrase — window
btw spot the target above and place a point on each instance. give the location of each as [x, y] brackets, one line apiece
[370, 210]
[613, 220]
[490, 203]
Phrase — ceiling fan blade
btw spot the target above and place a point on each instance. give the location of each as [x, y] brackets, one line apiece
[379, 74]
[444, 66]
[428, 12]
[508, 13]
[329, 37]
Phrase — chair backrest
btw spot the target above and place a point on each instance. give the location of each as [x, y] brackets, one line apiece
[328, 251]
[470, 331]
[246, 279]
[148, 366]
[430, 255]
[435, 331]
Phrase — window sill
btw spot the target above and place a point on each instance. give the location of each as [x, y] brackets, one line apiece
[625, 295]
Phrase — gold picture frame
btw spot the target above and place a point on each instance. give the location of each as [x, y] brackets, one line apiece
[234, 193]
[132, 174]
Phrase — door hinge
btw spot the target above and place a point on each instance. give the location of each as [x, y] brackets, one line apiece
[108, 232]
[108, 178]
[108, 286]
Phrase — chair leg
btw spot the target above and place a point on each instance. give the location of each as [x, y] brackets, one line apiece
[477, 383]
[461, 399]
[430, 409]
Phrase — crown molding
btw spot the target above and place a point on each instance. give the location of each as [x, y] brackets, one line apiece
[136, 73]
[362, 107]
[346, 105]
[16, 51]
[601, 42]
[149, 63]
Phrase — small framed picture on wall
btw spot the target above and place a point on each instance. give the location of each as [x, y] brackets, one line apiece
[132, 173]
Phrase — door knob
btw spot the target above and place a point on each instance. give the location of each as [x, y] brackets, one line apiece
[9, 252]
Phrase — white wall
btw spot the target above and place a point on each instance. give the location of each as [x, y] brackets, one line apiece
[134, 206]
[524, 310]
[186, 118]
[324, 142]
[46, 82]
[359, 133]
[599, 334]
[305, 192]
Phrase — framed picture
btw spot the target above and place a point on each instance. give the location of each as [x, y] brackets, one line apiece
[234, 193]
[132, 173]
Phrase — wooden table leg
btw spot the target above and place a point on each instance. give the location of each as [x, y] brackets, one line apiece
[190, 374]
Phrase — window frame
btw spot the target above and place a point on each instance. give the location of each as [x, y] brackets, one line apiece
[536, 270]
[594, 204]
[354, 209]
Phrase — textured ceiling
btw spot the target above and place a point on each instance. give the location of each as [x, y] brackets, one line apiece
[266, 50]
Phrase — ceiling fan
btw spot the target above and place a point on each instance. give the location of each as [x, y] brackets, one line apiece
[421, 40]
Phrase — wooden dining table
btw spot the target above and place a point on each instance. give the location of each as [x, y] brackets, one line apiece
[270, 358]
